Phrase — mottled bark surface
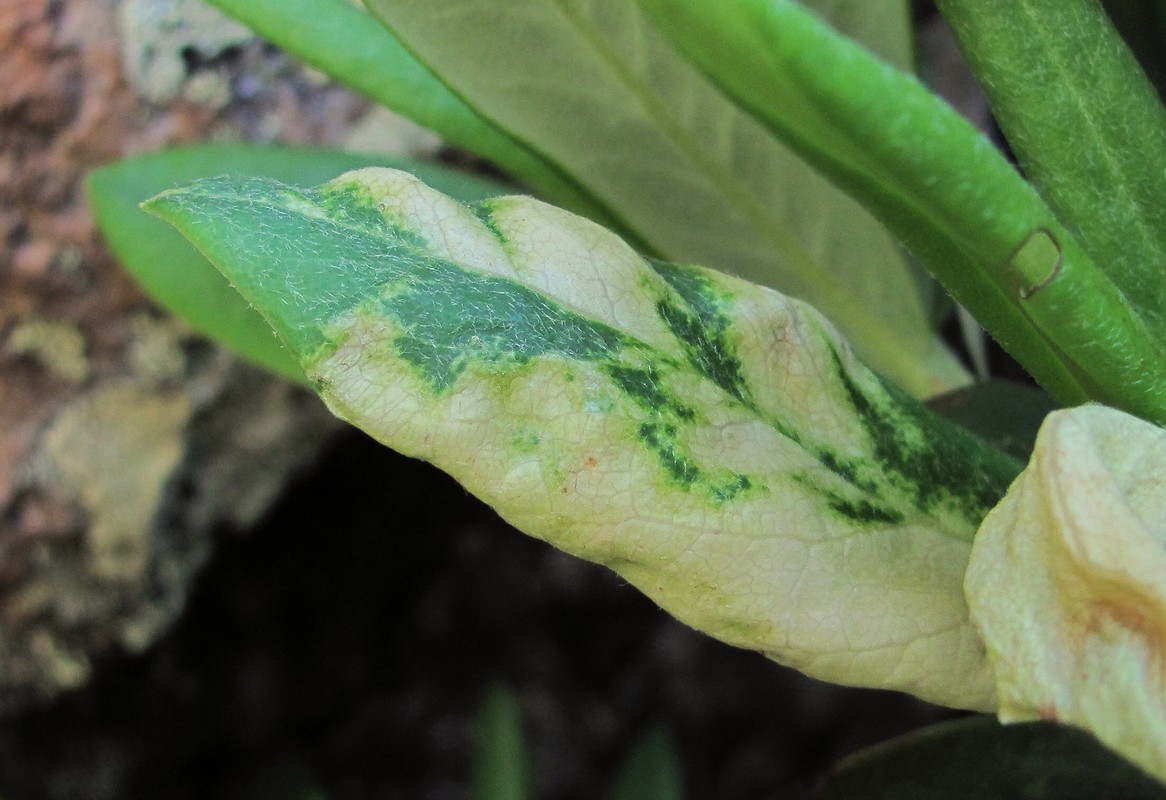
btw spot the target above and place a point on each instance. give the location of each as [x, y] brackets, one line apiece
[343, 649]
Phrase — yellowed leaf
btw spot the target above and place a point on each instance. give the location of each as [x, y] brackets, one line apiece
[1067, 583]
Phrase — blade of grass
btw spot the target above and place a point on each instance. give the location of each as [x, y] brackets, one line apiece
[501, 770]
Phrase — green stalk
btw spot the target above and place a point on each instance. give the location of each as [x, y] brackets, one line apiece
[1086, 126]
[939, 185]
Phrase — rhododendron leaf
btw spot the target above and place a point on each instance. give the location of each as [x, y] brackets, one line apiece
[714, 442]
[1067, 582]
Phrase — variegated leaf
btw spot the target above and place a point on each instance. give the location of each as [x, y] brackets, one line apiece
[714, 442]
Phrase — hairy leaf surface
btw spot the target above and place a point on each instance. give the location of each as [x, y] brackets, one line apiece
[714, 442]
[1086, 125]
[595, 88]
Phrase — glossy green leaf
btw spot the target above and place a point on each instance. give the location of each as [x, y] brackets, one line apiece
[176, 275]
[935, 181]
[714, 442]
[979, 759]
[652, 772]
[1086, 126]
[595, 88]
[343, 41]
[501, 769]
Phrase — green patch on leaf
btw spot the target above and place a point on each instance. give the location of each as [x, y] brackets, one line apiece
[701, 325]
[713, 441]
[484, 211]
[644, 387]
[847, 470]
[930, 459]
[865, 512]
[661, 439]
[451, 318]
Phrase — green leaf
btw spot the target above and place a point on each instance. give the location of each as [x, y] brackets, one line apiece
[595, 88]
[1086, 126]
[713, 441]
[501, 770]
[343, 41]
[1004, 413]
[939, 185]
[652, 772]
[174, 273]
[979, 759]
[1142, 24]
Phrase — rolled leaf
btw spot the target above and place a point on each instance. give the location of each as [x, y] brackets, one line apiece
[1067, 583]
[714, 442]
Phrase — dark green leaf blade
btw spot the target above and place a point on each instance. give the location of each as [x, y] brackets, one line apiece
[980, 759]
[1005, 413]
[180, 278]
